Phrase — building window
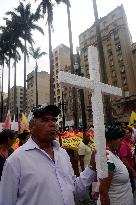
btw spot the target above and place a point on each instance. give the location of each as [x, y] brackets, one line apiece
[109, 51]
[110, 57]
[114, 83]
[56, 53]
[118, 47]
[85, 58]
[113, 73]
[85, 44]
[116, 36]
[58, 92]
[56, 58]
[70, 94]
[104, 23]
[115, 23]
[126, 93]
[124, 81]
[120, 58]
[113, 16]
[122, 68]
[111, 63]
[58, 98]
[125, 88]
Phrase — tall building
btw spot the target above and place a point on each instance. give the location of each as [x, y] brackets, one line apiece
[43, 81]
[5, 95]
[19, 100]
[134, 56]
[116, 40]
[61, 61]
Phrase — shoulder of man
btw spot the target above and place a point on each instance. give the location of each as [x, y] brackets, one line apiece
[15, 155]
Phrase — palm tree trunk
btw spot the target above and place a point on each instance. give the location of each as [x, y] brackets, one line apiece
[24, 99]
[8, 101]
[2, 93]
[36, 85]
[15, 88]
[82, 101]
[51, 66]
[74, 91]
[104, 79]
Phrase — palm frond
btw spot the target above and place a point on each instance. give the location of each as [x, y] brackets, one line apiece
[38, 28]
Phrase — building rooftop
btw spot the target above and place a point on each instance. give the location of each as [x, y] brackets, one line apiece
[103, 18]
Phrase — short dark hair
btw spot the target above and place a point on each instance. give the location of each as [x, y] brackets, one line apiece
[6, 135]
[113, 132]
[23, 136]
[129, 129]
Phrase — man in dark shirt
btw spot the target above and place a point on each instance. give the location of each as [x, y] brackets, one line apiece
[7, 138]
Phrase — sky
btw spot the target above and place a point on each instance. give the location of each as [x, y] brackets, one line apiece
[82, 17]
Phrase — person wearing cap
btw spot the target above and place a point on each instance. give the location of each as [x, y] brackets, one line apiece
[116, 188]
[41, 170]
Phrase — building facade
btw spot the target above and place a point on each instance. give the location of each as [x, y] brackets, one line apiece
[134, 56]
[5, 98]
[43, 83]
[62, 97]
[116, 40]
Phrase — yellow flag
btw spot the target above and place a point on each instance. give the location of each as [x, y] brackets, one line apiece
[132, 118]
[24, 123]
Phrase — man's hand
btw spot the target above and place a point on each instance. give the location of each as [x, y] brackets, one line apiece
[92, 161]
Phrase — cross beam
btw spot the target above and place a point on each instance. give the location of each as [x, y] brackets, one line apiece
[79, 82]
[97, 89]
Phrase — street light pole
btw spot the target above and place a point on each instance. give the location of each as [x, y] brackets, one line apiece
[74, 91]
[81, 92]
[107, 103]
[63, 111]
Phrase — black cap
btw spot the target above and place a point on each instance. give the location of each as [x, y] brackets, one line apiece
[40, 110]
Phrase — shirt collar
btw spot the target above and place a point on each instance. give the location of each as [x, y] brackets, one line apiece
[30, 144]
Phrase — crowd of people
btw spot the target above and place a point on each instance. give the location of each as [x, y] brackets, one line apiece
[39, 171]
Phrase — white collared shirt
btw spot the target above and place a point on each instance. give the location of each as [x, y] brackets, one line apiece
[30, 177]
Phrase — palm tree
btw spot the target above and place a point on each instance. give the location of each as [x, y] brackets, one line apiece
[15, 34]
[10, 37]
[26, 23]
[46, 6]
[36, 54]
[74, 92]
[6, 48]
[2, 59]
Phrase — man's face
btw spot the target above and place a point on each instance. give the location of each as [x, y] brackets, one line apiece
[44, 128]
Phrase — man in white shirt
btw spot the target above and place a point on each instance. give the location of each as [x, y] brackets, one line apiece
[84, 152]
[40, 172]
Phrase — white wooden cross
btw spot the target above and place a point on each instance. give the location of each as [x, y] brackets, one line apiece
[97, 88]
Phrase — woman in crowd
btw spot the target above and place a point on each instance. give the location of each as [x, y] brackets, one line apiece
[116, 188]
[7, 138]
[23, 137]
[125, 154]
